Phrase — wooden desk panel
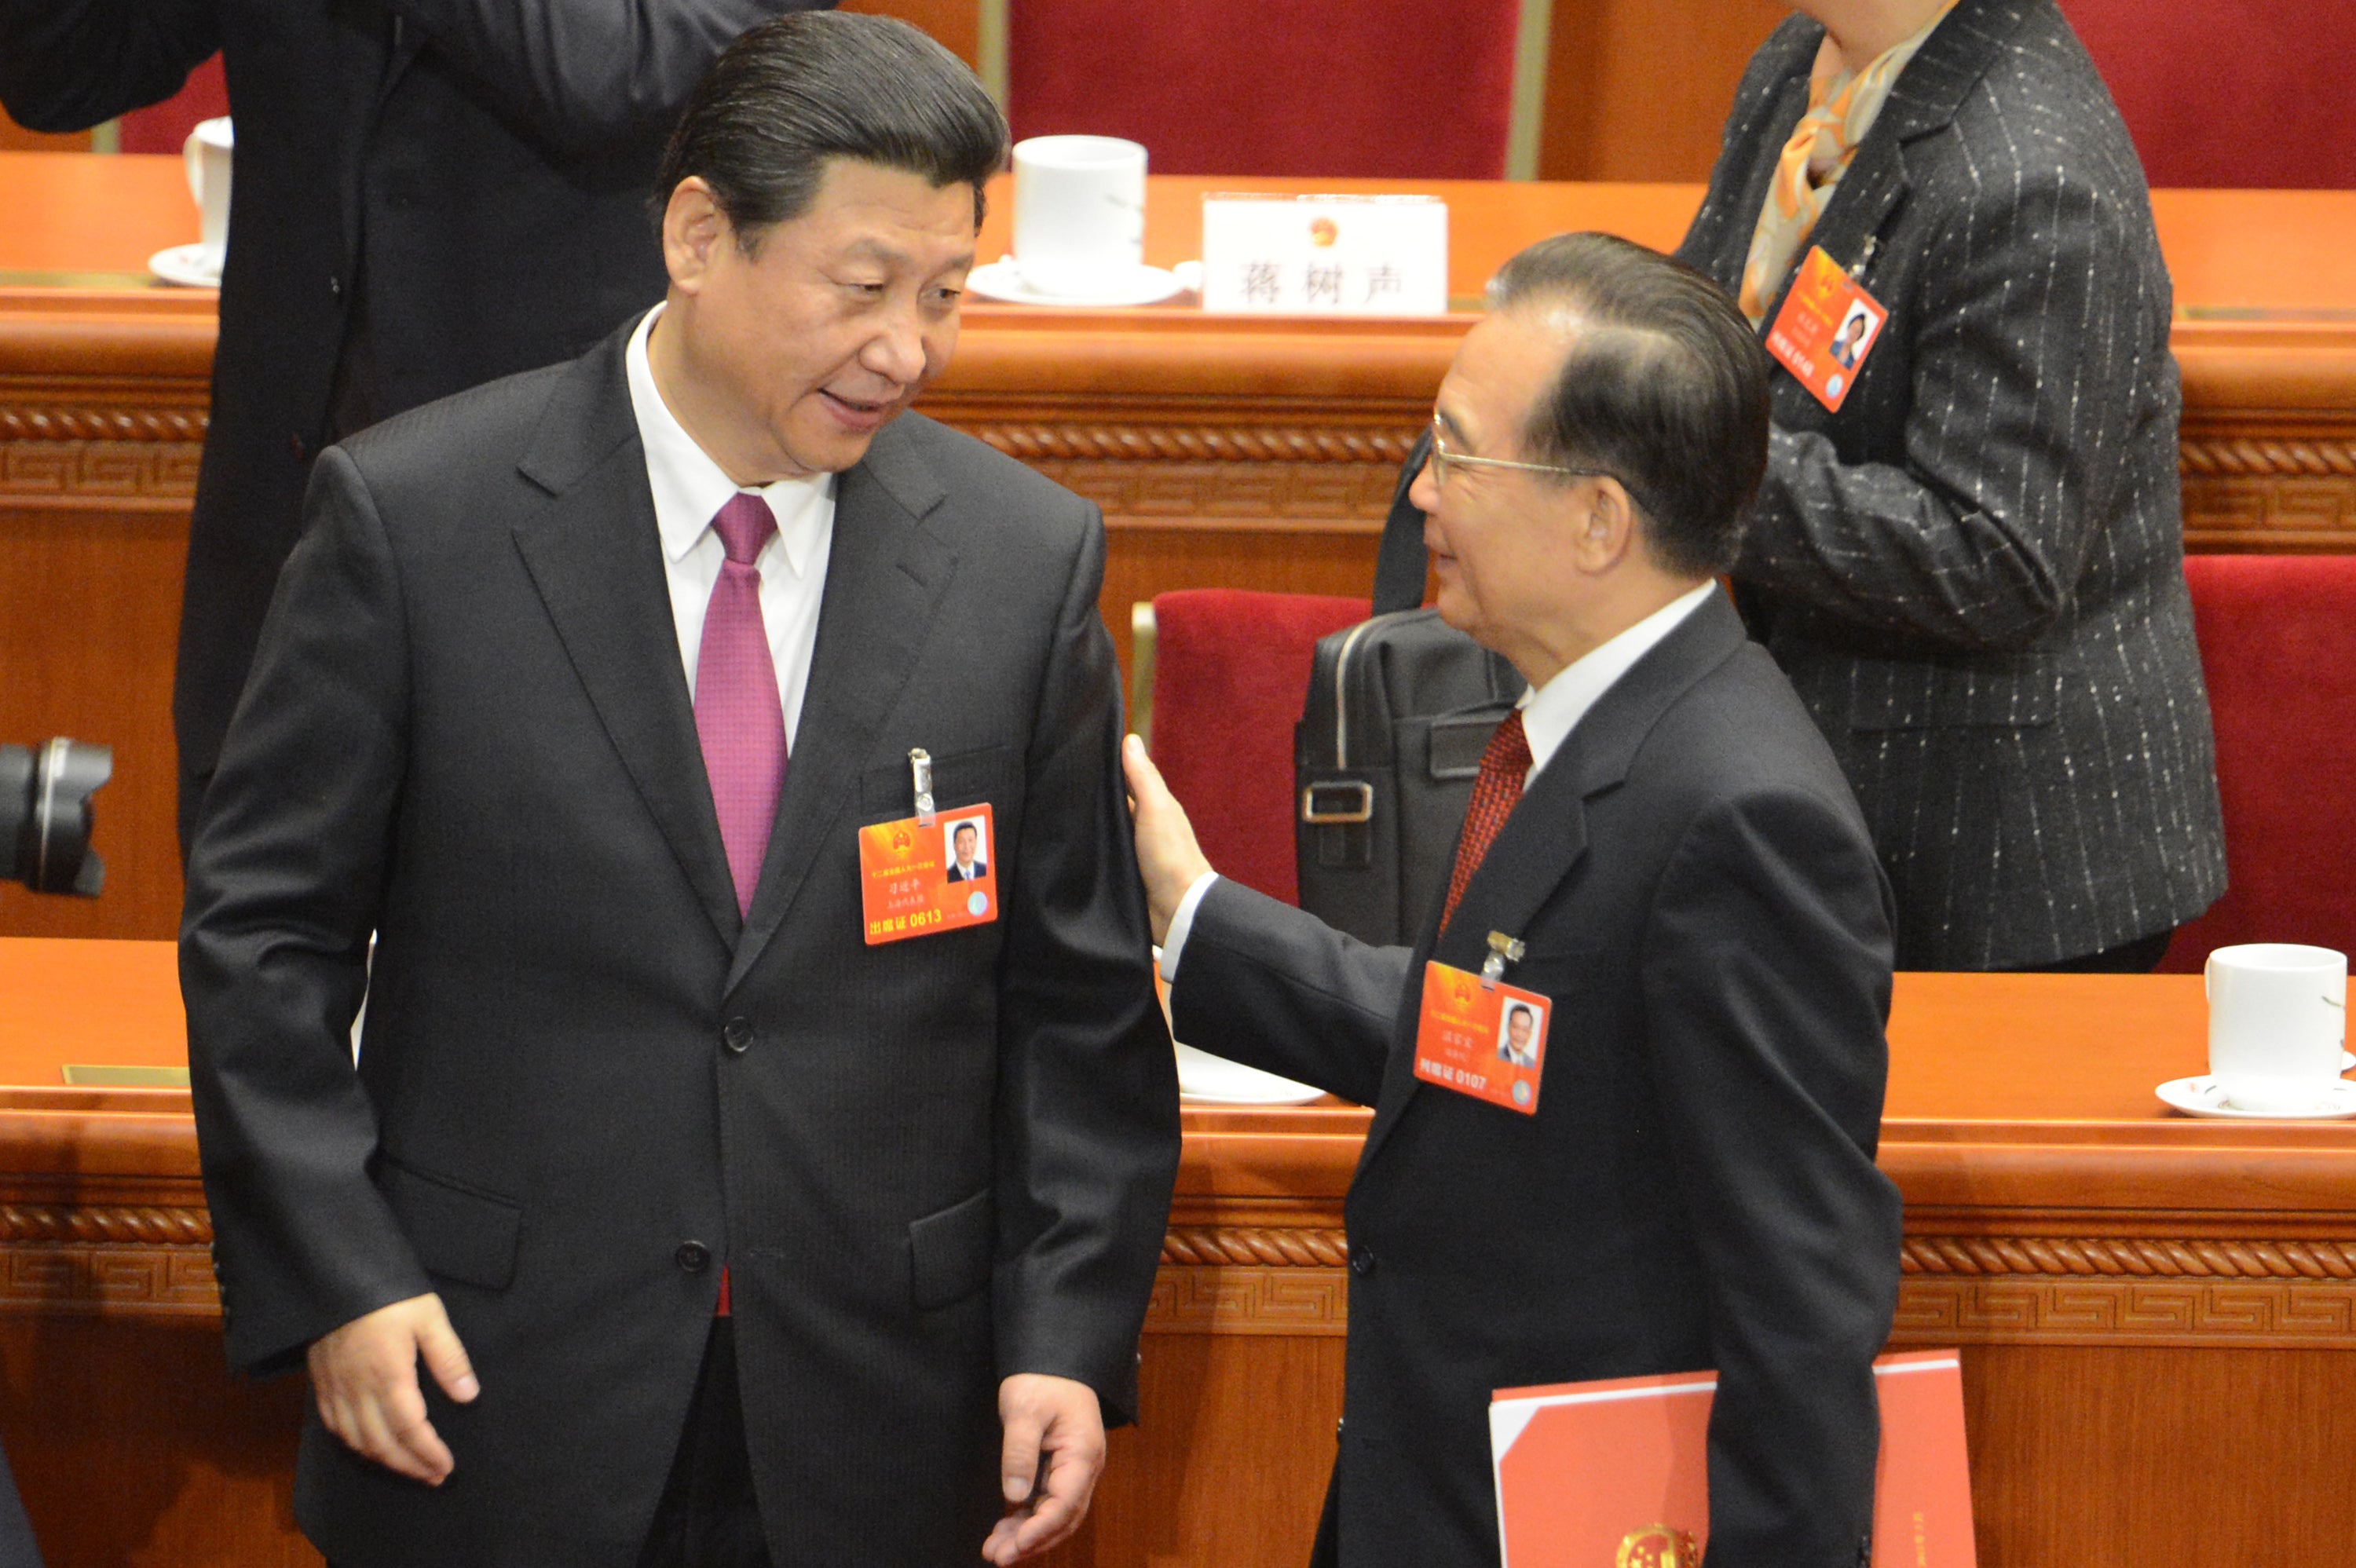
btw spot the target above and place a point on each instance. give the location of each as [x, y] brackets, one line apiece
[2151, 1308]
[1225, 451]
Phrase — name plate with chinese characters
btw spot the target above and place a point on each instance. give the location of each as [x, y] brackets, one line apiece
[1342, 255]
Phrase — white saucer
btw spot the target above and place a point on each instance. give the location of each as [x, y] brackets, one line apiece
[187, 264]
[1207, 1079]
[1003, 279]
[2202, 1096]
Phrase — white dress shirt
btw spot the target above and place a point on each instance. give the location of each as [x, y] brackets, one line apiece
[688, 491]
[1548, 716]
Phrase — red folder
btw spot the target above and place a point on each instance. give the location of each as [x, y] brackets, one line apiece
[1615, 1474]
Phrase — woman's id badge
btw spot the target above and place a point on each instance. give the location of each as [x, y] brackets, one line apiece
[1485, 1041]
[1826, 328]
[917, 877]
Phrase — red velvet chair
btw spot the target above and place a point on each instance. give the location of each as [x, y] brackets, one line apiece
[1230, 673]
[1396, 89]
[2278, 645]
[2230, 92]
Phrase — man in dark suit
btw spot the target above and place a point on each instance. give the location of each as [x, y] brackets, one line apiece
[1973, 571]
[963, 866]
[728, 1237]
[1682, 875]
[429, 194]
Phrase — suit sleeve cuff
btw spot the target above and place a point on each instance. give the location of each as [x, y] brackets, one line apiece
[1181, 923]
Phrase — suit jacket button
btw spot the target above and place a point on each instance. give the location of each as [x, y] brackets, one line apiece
[693, 1256]
[1362, 1260]
[736, 1034]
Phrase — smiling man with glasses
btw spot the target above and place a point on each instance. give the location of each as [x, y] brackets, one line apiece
[1662, 850]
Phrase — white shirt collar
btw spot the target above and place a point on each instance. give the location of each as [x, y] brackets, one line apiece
[1550, 712]
[690, 488]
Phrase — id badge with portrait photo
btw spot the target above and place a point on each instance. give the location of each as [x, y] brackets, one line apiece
[1482, 1039]
[917, 878]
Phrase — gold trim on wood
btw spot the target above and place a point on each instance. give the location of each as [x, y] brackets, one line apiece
[1257, 497]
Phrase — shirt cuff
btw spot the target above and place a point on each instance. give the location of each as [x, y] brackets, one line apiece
[1181, 923]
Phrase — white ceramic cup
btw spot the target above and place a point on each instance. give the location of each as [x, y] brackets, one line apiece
[208, 153]
[1079, 212]
[2277, 1017]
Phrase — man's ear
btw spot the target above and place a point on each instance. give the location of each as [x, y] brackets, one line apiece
[693, 230]
[1604, 523]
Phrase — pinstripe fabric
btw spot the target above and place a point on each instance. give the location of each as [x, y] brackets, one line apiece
[1974, 573]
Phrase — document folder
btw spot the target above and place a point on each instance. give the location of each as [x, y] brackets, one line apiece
[1615, 1474]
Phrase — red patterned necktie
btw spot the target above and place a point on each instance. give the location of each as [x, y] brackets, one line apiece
[1503, 766]
[738, 716]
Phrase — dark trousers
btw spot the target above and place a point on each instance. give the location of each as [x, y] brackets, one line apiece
[707, 1518]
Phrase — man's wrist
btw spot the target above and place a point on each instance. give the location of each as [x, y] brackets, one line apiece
[1182, 921]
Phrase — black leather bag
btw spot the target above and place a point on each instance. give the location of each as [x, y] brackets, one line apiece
[1400, 708]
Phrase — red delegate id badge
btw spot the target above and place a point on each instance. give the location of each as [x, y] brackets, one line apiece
[1826, 328]
[917, 878]
[1488, 1041]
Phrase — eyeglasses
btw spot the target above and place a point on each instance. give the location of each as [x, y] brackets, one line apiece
[1444, 461]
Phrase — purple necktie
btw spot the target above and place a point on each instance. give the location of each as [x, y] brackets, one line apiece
[738, 718]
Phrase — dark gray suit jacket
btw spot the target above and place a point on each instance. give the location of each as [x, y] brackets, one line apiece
[1973, 573]
[468, 178]
[929, 1164]
[1699, 899]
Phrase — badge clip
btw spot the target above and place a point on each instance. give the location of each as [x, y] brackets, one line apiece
[920, 765]
[1503, 950]
[1872, 243]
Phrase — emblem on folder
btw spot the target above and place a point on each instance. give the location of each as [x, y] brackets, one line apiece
[1657, 1546]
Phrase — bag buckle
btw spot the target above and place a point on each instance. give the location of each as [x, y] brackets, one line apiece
[1347, 800]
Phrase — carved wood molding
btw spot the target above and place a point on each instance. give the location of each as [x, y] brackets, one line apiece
[2126, 1256]
[143, 1224]
[2261, 456]
[2021, 1311]
[129, 1278]
[1275, 1246]
[138, 475]
[21, 422]
[1265, 1301]
[1138, 443]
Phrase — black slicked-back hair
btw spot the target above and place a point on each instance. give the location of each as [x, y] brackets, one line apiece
[813, 85]
[1665, 387]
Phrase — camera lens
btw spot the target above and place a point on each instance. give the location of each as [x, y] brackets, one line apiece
[45, 815]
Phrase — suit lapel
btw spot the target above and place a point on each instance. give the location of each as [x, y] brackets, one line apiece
[1545, 839]
[884, 575]
[595, 557]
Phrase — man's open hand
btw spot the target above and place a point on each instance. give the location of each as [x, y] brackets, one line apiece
[364, 1376]
[1166, 852]
[1053, 1451]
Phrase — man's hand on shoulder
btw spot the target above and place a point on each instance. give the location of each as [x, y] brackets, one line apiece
[1053, 1451]
[364, 1376]
[1167, 853]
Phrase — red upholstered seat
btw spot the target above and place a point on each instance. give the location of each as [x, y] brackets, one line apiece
[2278, 645]
[1230, 673]
[1399, 89]
[2230, 92]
